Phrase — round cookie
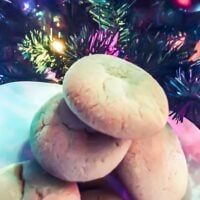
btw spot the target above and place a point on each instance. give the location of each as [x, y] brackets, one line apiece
[99, 194]
[28, 181]
[69, 149]
[115, 97]
[155, 168]
[188, 194]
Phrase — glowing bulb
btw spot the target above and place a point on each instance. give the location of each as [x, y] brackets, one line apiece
[58, 46]
[26, 6]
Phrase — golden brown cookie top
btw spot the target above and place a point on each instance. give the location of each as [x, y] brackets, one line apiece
[115, 97]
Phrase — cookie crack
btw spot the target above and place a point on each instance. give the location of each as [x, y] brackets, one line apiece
[39, 194]
[93, 106]
[67, 126]
[122, 127]
[105, 90]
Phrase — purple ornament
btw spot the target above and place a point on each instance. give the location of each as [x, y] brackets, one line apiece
[118, 187]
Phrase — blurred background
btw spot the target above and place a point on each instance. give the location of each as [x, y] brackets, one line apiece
[41, 39]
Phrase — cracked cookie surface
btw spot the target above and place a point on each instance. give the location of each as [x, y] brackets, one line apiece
[69, 149]
[28, 181]
[115, 97]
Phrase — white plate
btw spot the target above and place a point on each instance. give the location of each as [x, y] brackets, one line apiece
[18, 103]
[20, 100]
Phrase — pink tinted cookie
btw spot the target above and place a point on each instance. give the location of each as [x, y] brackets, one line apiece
[28, 181]
[70, 150]
[155, 168]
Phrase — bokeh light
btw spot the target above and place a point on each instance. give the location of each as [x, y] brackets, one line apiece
[184, 3]
[58, 46]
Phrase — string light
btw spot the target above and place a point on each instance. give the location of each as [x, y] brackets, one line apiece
[51, 33]
[58, 46]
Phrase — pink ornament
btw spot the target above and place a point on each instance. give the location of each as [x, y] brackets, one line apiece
[189, 136]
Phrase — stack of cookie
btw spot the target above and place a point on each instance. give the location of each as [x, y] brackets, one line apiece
[112, 115]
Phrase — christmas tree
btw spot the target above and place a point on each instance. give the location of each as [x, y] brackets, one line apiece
[40, 40]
